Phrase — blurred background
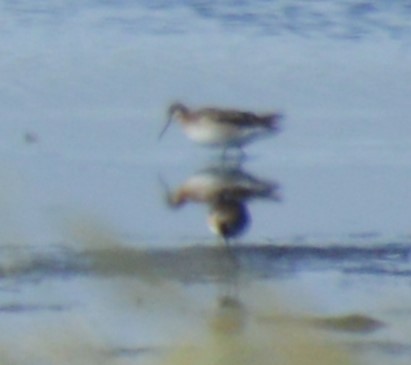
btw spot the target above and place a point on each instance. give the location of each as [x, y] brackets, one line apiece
[100, 264]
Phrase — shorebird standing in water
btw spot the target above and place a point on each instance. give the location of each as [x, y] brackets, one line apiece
[222, 127]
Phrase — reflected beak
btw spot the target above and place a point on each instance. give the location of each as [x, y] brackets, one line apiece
[165, 128]
[166, 188]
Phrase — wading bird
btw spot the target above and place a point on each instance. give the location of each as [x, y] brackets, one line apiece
[222, 127]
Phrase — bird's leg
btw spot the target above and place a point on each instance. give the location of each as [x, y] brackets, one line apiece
[225, 157]
[232, 260]
[240, 154]
[224, 153]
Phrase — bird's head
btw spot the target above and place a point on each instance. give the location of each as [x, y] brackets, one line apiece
[175, 111]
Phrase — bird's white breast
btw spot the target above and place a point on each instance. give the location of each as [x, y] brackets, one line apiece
[206, 131]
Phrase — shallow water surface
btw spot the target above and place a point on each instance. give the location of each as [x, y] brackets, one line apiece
[102, 262]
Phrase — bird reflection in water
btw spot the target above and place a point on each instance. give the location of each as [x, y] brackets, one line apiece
[226, 190]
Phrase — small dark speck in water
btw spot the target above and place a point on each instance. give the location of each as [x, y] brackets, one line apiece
[30, 137]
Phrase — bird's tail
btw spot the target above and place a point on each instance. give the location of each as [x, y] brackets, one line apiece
[272, 121]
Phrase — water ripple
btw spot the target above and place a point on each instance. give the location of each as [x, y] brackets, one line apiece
[210, 263]
[348, 20]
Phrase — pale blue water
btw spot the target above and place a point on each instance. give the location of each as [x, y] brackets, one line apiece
[85, 86]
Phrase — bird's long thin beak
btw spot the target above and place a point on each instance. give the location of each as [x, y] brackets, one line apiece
[165, 128]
